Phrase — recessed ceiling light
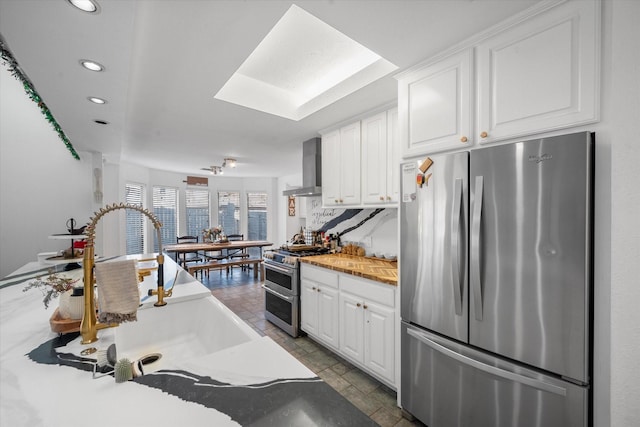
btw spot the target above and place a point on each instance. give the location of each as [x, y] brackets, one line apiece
[91, 65]
[301, 66]
[85, 5]
[96, 100]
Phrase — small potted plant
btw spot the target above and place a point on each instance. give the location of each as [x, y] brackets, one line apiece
[212, 234]
[53, 286]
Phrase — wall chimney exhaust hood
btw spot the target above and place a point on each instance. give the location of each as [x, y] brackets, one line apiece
[311, 170]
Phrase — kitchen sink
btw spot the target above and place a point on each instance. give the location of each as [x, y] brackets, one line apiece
[181, 331]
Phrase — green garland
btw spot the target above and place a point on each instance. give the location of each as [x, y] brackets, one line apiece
[15, 70]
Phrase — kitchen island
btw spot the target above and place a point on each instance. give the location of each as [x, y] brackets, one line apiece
[45, 381]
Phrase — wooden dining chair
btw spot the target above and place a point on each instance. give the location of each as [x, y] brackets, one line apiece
[214, 256]
[238, 254]
[186, 257]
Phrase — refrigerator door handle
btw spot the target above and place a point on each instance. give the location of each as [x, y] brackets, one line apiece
[475, 247]
[455, 242]
[492, 370]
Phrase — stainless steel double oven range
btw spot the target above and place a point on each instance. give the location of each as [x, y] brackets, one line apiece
[282, 285]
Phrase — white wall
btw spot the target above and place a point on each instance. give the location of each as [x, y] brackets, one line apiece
[289, 225]
[41, 184]
[622, 119]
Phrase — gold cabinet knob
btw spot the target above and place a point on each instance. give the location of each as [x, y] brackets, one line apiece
[313, 287]
[336, 200]
[318, 289]
[388, 197]
[365, 306]
[484, 135]
[464, 139]
[341, 201]
[358, 305]
[381, 198]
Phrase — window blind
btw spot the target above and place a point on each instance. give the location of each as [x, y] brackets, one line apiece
[197, 210]
[165, 208]
[229, 211]
[257, 219]
[134, 194]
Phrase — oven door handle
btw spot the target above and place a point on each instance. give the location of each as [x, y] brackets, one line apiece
[278, 294]
[286, 271]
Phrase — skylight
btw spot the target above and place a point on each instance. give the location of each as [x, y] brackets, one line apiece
[301, 66]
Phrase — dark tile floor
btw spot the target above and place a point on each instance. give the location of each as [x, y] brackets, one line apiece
[244, 296]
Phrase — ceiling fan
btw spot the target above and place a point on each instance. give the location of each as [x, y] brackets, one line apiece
[214, 170]
[217, 170]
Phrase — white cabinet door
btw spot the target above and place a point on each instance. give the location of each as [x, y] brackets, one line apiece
[328, 316]
[320, 312]
[309, 307]
[539, 75]
[379, 339]
[435, 104]
[331, 168]
[374, 159]
[350, 164]
[351, 326]
[367, 325]
[393, 157]
[341, 166]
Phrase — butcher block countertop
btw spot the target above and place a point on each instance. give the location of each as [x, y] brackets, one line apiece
[377, 269]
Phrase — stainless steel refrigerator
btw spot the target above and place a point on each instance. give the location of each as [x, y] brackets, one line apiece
[496, 285]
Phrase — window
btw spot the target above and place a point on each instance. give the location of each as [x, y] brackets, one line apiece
[257, 219]
[229, 212]
[197, 211]
[165, 208]
[134, 195]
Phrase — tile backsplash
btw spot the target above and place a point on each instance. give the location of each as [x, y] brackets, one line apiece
[380, 233]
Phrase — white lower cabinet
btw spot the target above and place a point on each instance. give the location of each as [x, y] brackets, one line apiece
[352, 326]
[367, 334]
[379, 349]
[356, 317]
[328, 315]
[367, 325]
[319, 305]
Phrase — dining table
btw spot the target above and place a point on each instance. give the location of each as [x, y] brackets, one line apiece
[227, 249]
[217, 246]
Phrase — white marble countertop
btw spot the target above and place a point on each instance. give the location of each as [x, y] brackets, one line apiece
[206, 391]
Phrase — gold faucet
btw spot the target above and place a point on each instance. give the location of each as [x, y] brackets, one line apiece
[90, 326]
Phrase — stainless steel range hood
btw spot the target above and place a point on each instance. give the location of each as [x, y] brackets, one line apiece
[311, 170]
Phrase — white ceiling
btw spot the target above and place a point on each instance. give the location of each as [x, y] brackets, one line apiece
[166, 59]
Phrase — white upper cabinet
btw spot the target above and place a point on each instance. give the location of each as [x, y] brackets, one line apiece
[341, 166]
[540, 74]
[435, 105]
[350, 164]
[331, 168]
[380, 183]
[535, 72]
[374, 158]
[393, 157]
